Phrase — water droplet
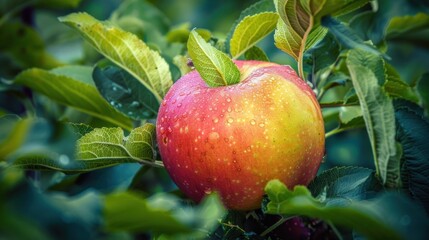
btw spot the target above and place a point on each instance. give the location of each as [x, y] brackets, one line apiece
[230, 120]
[226, 139]
[207, 191]
[261, 125]
[229, 109]
[130, 113]
[181, 94]
[135, 104]
[114, 88]
[64, 159]
[179, 105]
[253, 122]
[165, 140]
[164, 102]
[170, 130]
[215, 120]
[162, 130]
[113, 103]
[213, 137]
[228, 99]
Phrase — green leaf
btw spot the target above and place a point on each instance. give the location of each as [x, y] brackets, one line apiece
[377, 110]
[143, 14]
[26, 48]
[125, 50]
[73, 86]
[59, 3]
[378, 218]
[138, 216]
[396, 87]
[340, 7]
[345, 184]
[161, 214]
[294, 26]
[413, 129]
[351, 114]
[80, 129]
[255, 53]
[258, 7]
[100, 148]
[347, 37]
[108, 146]
[406, 25]
[13, 133]
[126, 93]
[250, 31]
[214, 66]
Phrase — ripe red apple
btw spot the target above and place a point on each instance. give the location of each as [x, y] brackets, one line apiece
[234, 139]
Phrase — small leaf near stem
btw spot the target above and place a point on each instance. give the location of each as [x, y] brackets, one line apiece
[214, 66]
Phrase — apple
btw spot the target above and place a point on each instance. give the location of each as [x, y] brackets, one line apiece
[234, 139]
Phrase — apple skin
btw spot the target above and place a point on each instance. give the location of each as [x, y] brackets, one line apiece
[234, 139]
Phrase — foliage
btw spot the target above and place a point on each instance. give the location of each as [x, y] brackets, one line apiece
[79, 99]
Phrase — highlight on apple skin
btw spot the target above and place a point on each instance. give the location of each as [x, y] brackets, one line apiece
[234, 139]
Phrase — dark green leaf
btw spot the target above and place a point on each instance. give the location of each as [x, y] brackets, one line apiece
[377, 109]
[214, 66]
[412, 133]
[73, 86]
[396, 87]
[26, 48]
[56, 215]
[345, 184]
[422, 87]
[388, 216]
[124, 92]
[255, 53]
[347, 37]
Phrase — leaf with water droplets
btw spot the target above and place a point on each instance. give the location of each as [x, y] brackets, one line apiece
[73, 86]
[214, 66]
[250, 31]
[126, 93]
[126, 50]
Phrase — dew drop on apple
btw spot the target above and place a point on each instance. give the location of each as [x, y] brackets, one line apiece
[215, 120]
[162, 129]
[214, 137]
[253, 122]
[230, 120]
[228, 99]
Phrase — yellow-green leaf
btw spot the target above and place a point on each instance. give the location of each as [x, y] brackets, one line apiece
[109, 146]
[126, 50]
[251, 30]
[214, 66]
